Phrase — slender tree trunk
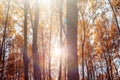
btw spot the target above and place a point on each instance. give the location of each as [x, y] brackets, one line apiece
[65, 66]
[50, 53]
[110, 66]
[36, 66]
[83, 52]
[43, 56]
[65, 71]
[60, 64]
[25, 57]
[83, 60]
[72, 23]
[2, 49]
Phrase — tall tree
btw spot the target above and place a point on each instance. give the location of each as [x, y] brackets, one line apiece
[36, 67]
[49, 55]
[3, 47]
[25, 57]
[72, 22]
[60, 64]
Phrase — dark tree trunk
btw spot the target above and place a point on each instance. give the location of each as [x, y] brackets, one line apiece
[36, 66]
[3, 49]
[25, 57]
[83, 60]
[72, 23]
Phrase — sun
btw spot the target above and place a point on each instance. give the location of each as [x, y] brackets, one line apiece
[57, 51]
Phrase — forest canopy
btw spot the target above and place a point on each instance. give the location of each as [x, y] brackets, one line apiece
[59, 39]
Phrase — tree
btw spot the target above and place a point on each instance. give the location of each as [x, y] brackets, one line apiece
[61, 25]
[72, 22]
[49, 54]
[36, 67]
[3, 46]
[25, 57]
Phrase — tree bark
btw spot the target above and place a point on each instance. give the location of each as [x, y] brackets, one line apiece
[36, 66]
[72, 23]
[25, 57]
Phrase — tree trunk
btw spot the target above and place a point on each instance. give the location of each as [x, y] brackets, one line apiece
[43, 56]
[36, 66]
[49, 64]
[60, 64]
[3, 49]
[72, 23]
[25, 57]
